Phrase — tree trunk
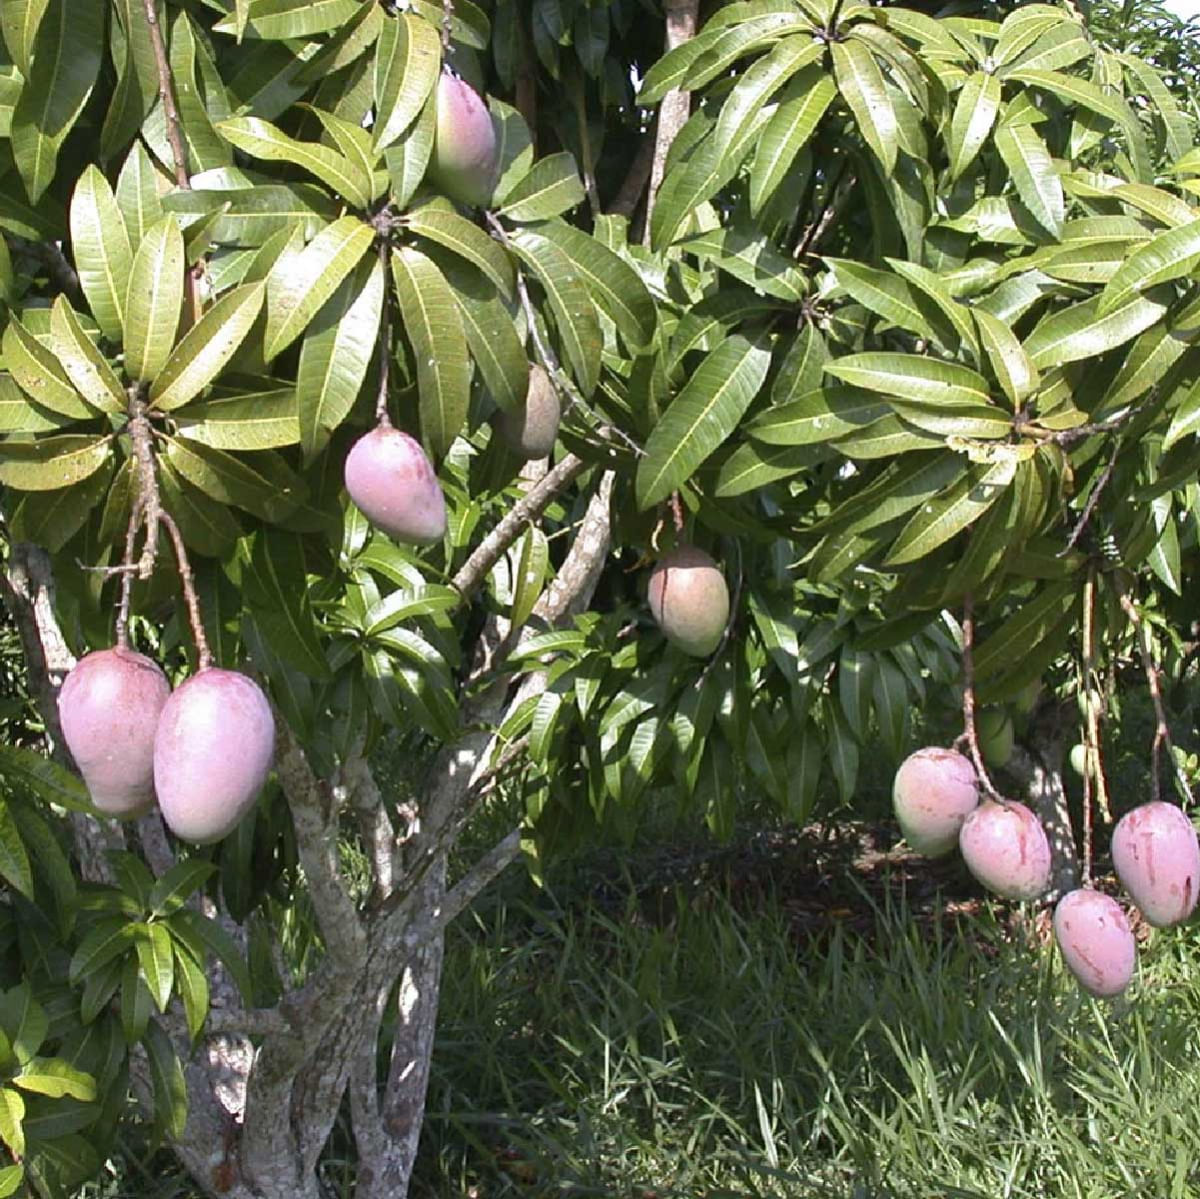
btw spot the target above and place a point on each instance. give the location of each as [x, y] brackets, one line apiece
[1039, 769]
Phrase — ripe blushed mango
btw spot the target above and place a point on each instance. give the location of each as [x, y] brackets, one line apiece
[1005, 848]
[465, 157]
[392, 481]
[531, 429]
[212, 752]
[1096, 942]
[933, 792]
[689, 600]
[109, 707]
[1157, 858]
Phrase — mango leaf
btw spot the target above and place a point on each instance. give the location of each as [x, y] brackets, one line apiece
[951, 511]
[256, 421]
[1079, 332]
[1012, 367]
[490, 332]
[19, 23]
[54, 1077]
[912, 377]
[52, 520]
[408, 59]
[1171, 255]
[19, 415]
[12, 1119]
[701, 417]
[336, 353]
[466, 240]
[85, 366]
[191, 984]
[861, 84]
[435, 331]
[301, 284]
[52, 462]
[284, 19]
[551, 188]
[66, 58]
[155, 300]
[407, 160]
[574, 316]
[821, 415]
[247, 216]
[101, 247]
[156, 957]
[804, 102]
[1025, 629]
[137, 194]
[1033, 173]
[615, 286]
[261, 139]
[235, 481]
[974, 116]
[276, 588]
[170, 1087]
[207, 347]
[208, 527]
[40, 375]
[929, 284]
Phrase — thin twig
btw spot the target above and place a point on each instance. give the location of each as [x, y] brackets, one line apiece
[1162, 731]
[203, 653]
[447, 24]
[136, 517]
[142, 437]
[1092, 500]
[579, 98]
[166, 92]
[1092, 683]
[385, 336]
[970, 732]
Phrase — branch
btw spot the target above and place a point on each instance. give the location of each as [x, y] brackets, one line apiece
[250, 1022]
[1162, 730]
[166, 92]
[970, 734]
[527, 509]
[630, 192]
[476, 880]
[315, 821]
[676, 105]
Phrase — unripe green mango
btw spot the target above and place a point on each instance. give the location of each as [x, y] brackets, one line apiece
[531, 429]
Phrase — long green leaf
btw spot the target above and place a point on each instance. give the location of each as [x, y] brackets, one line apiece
[435, 331]
[208, 346]
[66, 58]
[261, 139]
[1171, 255]
[300, 285]
[793, 123]
[551, 188]
[1012, 367]
[255, 421]
[574, 315]
[465, 239]
[1079, 332]
[861, 84]
[285, 19]
[701, 417]
[974, 116]
[407, 64]
[40, 375]
[951, 511]
[86, 367]
[155, 300]
[912, 377]
[101, 247]
[1033, 173]
[820, 415]
[336, 353]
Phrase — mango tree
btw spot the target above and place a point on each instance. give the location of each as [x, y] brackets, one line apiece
[363, 359]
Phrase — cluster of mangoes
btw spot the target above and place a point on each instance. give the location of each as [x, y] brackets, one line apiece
[1156, 853]
[203, 750]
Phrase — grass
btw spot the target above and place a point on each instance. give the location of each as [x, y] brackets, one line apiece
[589, 1050]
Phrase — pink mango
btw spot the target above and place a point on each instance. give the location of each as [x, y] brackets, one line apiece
[465, 159]
[109, 707]
[933, 792]
[212, 752]
[392, 481]
[1005, 848]
[1157, 858]
[689, 600]
[1096, 942]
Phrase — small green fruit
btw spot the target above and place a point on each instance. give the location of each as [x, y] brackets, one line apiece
[1025, 700]
[994, 728]
[531, 429]
[1078, 758]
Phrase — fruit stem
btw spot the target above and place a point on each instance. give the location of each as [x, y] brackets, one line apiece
[166, 90]
[385, 336]
[142, 437]
[447, 18]
[136, 517]
[1162, 731]
[203, 653]
[969, 730]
